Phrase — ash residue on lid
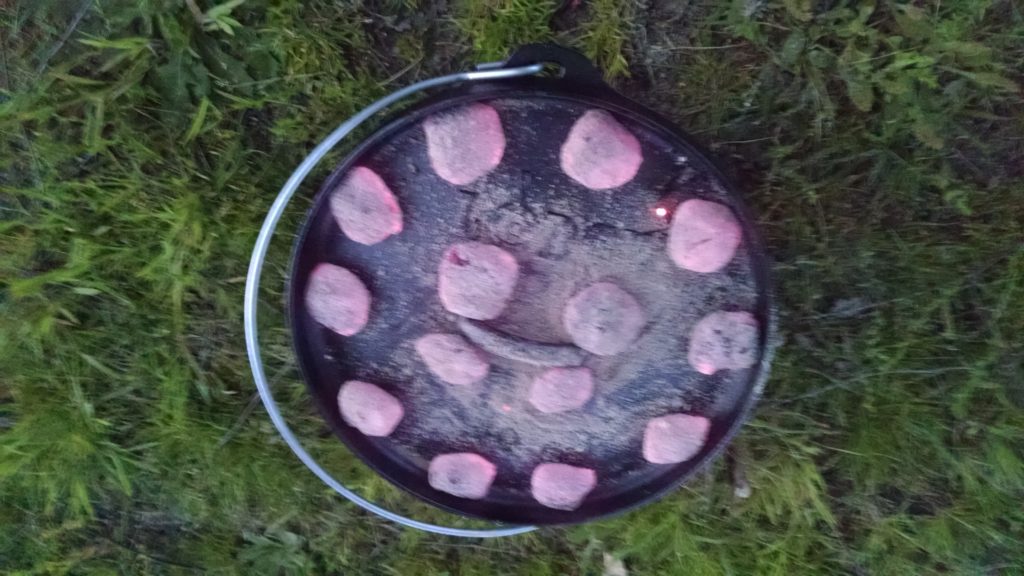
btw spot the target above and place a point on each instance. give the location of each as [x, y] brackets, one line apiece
[564, 237]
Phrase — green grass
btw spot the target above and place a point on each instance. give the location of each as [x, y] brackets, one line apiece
[142, 142]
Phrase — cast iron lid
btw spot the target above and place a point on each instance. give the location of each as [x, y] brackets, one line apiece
[565, 236]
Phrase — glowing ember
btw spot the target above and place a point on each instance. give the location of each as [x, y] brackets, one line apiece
[476, 280]
[365, 208]
[337, 299]
[724, 341]
[463, 474]
[368, 408]
[466, 143]
[452, 359]
[561, 486]
[661, 212]
[674, 438]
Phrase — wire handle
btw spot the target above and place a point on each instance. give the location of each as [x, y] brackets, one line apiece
[494, 71]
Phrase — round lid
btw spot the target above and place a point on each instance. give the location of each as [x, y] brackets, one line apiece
[530, 306]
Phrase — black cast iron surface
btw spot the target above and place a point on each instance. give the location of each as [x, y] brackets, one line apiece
[565, 237]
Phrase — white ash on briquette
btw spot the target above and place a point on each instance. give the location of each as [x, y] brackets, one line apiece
[452, 359]
[365, 208]
[599, 152]
[603, 319]
[476, 280]
[561, 389]
[704, 236]
[464, 143]
[464, 474]
[561, 486]
[338, 299]
[724, 341]
[369, 408]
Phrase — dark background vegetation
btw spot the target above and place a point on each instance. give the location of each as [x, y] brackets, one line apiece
[141, 143]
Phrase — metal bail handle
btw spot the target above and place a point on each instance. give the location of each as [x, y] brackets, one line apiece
[259, 253]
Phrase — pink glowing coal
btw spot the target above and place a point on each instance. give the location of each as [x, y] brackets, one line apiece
[599, 152]
[724, 341]
[603, 319]
[704, 236]
[462, 474]
[476, 280]
[365, 208]
[337, 299]
[466, 143]
[674, 438]
[561, 486]
[368, 408]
